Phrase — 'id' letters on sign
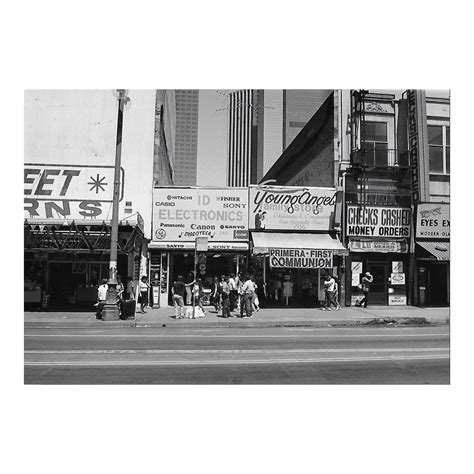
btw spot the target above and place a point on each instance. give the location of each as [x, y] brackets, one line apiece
[68, 191]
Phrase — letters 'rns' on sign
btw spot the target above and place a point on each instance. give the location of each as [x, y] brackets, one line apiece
[68, 191]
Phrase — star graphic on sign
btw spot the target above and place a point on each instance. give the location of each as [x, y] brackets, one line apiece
[97, 183]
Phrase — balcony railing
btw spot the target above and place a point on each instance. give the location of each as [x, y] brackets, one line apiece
[379, 158]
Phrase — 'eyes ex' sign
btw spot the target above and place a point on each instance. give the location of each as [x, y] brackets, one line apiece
[69, 191]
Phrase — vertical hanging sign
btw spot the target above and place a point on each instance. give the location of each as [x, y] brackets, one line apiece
[418, 144]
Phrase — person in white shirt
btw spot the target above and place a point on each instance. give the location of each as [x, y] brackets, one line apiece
[329, 285]
[143, 286]
[130, 295]
[101, 297]
[233, 292]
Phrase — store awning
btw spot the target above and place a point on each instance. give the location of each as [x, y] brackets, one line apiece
[81, 235]
[263, 241]
[221, 246]
[440, 250]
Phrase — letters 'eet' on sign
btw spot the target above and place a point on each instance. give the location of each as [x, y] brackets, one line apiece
[291, 208]
[68, 191]
[433, 220]
[182, 214]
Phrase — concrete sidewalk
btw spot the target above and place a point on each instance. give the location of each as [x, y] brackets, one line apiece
[271, 317]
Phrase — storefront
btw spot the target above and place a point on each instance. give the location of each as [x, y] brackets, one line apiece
[294, 243]
[432, 253]
[65, 261]
[378, 241]
[182, 214]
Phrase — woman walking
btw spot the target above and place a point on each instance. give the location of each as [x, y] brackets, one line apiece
[143, 287]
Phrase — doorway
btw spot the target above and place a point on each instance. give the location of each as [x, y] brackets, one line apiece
[378, 288]
[437, 284]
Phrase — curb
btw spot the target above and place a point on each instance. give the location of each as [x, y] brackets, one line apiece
[199, 324]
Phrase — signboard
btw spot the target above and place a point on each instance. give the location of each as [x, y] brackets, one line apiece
[397, 267]
[418, 144]
[356, 268]
[368, 221]
[397, 300]
[291, 208]
[378, 245]
[201, 244]
[397, 278]
[69, 191]
[300, 258]
[433, 221]
[182, 214]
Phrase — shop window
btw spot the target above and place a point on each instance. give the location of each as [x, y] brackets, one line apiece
[439, 148]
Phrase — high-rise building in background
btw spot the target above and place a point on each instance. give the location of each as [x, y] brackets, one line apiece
[185, 156]
[262, 123]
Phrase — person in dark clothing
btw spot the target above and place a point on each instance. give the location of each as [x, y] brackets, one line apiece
[367, 280]
[225, 298]
[178, 291]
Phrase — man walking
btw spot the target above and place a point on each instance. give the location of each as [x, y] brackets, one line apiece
[329, 285]
[367, 280]
[178, 291]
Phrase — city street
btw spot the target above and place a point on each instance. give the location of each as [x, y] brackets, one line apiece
[120, 355]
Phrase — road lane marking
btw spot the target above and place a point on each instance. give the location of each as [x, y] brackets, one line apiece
[231, 351]
[236, 336]
[237, 362]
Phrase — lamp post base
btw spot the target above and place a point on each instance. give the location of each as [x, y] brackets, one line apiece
[110, 312]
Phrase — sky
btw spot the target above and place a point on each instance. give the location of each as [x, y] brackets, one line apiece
[212, 137]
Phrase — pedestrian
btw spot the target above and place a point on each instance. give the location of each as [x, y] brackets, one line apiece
[130, 292]
[198, 293]
[178, 291]
[120, 288]
[233, 291]
[225, 297]
[189, 284]
[248, 289]
[143, 288]
[255, 300]
[334, 296]
[216, 291]
[367, 280]
[101, 297]
[329, 284]
[238, 286]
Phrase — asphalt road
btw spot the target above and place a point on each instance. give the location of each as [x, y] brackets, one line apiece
[362, 355]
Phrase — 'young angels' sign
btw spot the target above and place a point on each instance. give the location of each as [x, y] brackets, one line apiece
[291, 208]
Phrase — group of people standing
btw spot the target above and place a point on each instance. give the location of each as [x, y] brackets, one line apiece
[124, 294]
[228, 293]
[235, 293]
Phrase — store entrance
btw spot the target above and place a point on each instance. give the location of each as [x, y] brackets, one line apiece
[437, 284]
[378, 289]
[215, 264]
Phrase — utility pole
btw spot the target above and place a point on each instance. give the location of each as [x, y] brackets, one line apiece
[111, 309]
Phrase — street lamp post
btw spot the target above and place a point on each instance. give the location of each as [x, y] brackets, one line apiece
[111, 310]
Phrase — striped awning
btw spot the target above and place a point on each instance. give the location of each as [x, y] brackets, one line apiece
[440, 250]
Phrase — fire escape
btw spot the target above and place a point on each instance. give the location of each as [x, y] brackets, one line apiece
[369, 162]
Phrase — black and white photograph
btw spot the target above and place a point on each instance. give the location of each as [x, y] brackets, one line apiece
[257, 236]
[246, 240]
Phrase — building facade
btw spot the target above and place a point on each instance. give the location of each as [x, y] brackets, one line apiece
[71, 139]
[185, 153]
[389, 152]
[262, 124]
